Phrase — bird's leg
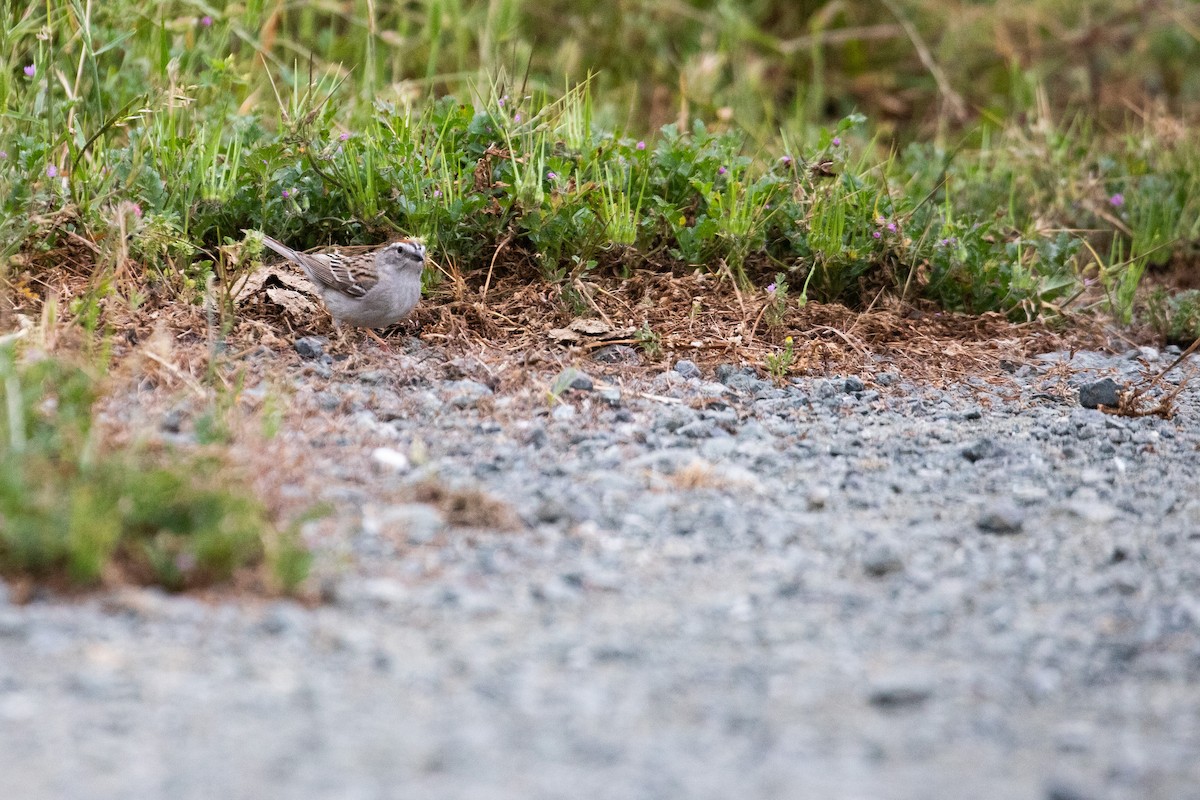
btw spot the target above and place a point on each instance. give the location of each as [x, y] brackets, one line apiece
[382, 342]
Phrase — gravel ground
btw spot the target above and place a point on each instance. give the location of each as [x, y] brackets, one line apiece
[689, 585]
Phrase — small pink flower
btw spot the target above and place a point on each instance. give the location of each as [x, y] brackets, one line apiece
[437, 192]
[786, 161]
[771, 289]
[206, 21]
[137, 210]
[552, 176]
[891, 226]
[721, 171]
[30, 71]
[344, 136]
[1117, 200]
[286, 194]
[640, 145]
[876, 234]
[51, 171]
[517, 117]
[3, 155]
[837, 141]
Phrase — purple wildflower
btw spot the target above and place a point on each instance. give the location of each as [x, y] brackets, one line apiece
[876, 234]
[30, 71]
[437, 192]
[880, 220]
[51, 171]
[517, 117]
[771, 289]
[286, 194]
[891, 226]
[837, 141]
[1117, 200]
[640, 145]
[552, 175]
[343, 136]
[137, 210]
[206, 21]
[721, 170]
[3, 155]
[786, 161]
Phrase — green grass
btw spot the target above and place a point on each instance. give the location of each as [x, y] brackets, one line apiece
[161, 136]
[73, 509]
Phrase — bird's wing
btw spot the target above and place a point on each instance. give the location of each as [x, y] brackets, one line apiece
[350, 275]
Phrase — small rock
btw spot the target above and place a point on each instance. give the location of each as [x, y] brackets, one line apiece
[1060, 790]
[582, 382]
[1100, 393]
[746, 383]
[881, 558]
[389, 459]
[687, 369]
[900, 691]
[563, 411]
[281, 618]
[700, 429]
[327, 401]
[818, 497]
[13, 625]
[172, 421]
[1001, 519]
[617, 354]
[419, 522]
[553, 510]
[854, 384]
[984, 448]
[886, 378]
[466, 393]
[1087, 506]
[611, 395]
[311, 347]
[724, 371]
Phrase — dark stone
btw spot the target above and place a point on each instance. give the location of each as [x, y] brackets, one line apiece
[1002, 519]
[854, 384]
[984, 448]
[1103, 392]
[900, 693]
[617, 354]
[687, 369]
[311, 347]
[881, 558]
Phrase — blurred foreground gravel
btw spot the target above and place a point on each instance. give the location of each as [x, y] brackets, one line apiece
[695, 585]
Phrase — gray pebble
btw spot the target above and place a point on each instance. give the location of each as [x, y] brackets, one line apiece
[1100, 393]
[311, 347]
[617, 354]
[687, 369]
[880, 558]
[1001, 518]
[465, 393]
[900, 691]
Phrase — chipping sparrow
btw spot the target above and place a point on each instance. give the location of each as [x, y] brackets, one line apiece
[368, 290]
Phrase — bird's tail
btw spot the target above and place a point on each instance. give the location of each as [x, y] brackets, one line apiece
[281, 248]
